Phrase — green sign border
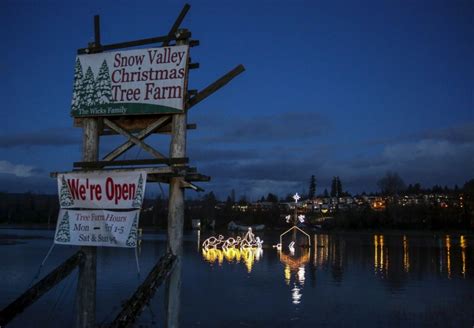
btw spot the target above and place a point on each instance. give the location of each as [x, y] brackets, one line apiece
[123, 109]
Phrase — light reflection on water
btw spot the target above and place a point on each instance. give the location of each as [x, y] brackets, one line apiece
[330, 251]
[395, 279]
[247, 255]
[406, 255]
[463, 245]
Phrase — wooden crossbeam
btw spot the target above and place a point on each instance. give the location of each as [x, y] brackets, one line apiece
[176, 24]
[131, 138]
[100, 164]
[197, 177]
[148, 170]
[141, 135]
[164, 130]
[213, 87]
[40, 288]
[189, 185]
[134, 306]
[187, 176]
[97, 47]
[135, 43]
[194, 43]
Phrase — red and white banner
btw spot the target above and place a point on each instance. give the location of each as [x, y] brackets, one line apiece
[104, 190]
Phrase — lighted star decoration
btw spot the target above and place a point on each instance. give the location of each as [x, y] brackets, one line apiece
[301, 218]
[296, 197]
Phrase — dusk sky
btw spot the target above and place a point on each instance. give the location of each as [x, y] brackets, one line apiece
[336, 88]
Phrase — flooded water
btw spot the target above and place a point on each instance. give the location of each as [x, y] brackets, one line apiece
[343, 279]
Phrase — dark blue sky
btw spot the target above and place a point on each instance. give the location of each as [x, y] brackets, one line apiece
[347, 88]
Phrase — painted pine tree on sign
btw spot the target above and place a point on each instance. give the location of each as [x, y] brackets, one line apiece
[103, 84]
[90, 95]
[65, 197]
[132, 236]
[78, 91]
[139, 195]
[63, 235]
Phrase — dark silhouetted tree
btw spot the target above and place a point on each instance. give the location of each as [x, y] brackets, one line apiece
[391, 184]
[336, 187]
[243, 200]
[312, 187]
[272, 198]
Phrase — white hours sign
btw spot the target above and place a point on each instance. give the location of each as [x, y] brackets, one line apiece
[144, 81]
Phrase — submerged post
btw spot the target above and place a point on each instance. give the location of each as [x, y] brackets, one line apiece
[86, 285]
[176, 213]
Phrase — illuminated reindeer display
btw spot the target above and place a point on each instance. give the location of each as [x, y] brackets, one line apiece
[248, 241]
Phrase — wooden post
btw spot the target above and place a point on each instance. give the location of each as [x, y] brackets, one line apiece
[86, 285]
[176, 214]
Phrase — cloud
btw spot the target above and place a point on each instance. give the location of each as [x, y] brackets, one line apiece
[24, 178]
[463, 133]
[425, 161]
[278, 170]
[14, 184]
[422, 149]
[18, 170]
[294, 125]
[50, 137]
[458, 134]
[203, 154]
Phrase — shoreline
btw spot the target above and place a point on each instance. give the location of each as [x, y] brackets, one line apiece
[393, 232]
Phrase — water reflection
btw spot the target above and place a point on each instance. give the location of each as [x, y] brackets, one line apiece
[463, 245]
[246, 255]
[294, 267]
[448, 255]
[338, 274]
[321, 254]
[198, 239]
[406, 255]
[296, 295]
[392, 258]
[381, 256]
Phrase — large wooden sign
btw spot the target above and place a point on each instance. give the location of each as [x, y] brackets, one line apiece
[144, 81]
